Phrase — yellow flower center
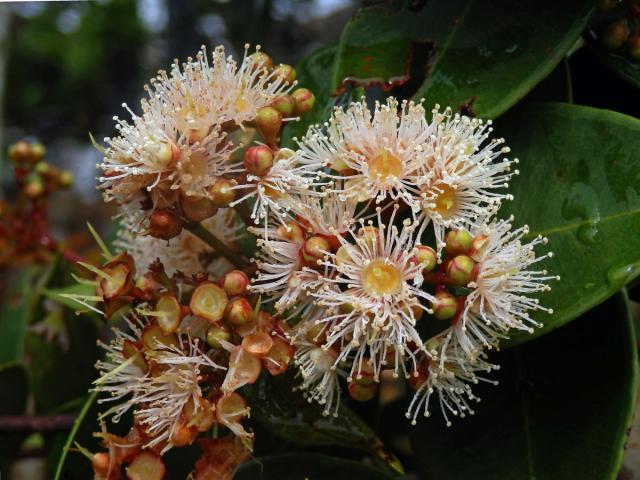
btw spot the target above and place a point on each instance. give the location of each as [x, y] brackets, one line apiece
[446, 201]
[380, 278]
[385, 165]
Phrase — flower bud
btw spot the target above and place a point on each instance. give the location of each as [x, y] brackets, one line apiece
[303, 100]
[146, 466]
[257, 344]
[365, 377]
[209, 301]
[164, 224]
[314, 251]
[444, 306]
[168, 312]
[478, 244]
[38, 151]
[261, 59]
[43, 168]
[269, 122]
[283, 104]
[100, 462]
[362, 393]
[460, 270]
[286, 72]
[277, 360]
[342, 256]
[221, 193]
[235, 282]
[197, 208]
[258, 160]
[215, 333]
[425, 256]
[458, 242]
[616, 34]
[291, 232]
[66, 179]
[34, 187]
[20, 152]
[239, 311]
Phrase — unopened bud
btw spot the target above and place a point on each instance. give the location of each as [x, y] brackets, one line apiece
[164, 224]
[478, 244]
[303, 100]
[169, 313]
[38, 151]
[215, 333]
[616, 34]
[239, 311]
[209, 301]
[261, 59]
[20, 152]
[221, 193]
[43, 168]
[458, 242]
[291, 232]
[197, 208]
[100, 463]
[314, 250]
[146, 466]
[342, 256]
[257, 344]
[163, 153]
[235, 282]
[444, 306]
[365, 376]
[284, 104]
[258, 160]
[286, 72]
[460, 270]
[425, 256]
[269, 122]
[34, 187]
[66, 179]
[362, 393]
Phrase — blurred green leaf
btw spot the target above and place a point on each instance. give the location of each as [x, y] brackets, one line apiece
[287, 414]
[562, 409]
[306, 466]
[479, 56]
[13, 400]
[76, 289]
[579, 186]
[19, 305]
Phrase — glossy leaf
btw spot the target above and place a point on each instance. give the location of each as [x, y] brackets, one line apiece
[479, 56]
[579, 185]
[287, 414]
[561, 410]
[306, 466]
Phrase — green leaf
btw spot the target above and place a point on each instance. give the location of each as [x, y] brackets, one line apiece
[13, 400]
[561, 410]
[82, 427]
[18, 308]
[287, 414]
[480, 56]
[306, 466]
[75, 289]
[579, 185]
[312, 74]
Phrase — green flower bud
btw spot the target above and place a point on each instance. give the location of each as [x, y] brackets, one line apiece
[460, 270]
[444, 306]
[458, 242]
[258, 160]
[303, 100]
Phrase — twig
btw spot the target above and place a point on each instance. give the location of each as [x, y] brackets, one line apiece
[40, 423]
[220, 247]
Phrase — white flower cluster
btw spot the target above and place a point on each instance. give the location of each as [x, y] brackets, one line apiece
[344, 253]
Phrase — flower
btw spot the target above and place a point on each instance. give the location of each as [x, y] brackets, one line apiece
[378, 302]
[448, 374]
[317, 367]
[460, 175]
[379, 154]
[501, 294]
[161, 373]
